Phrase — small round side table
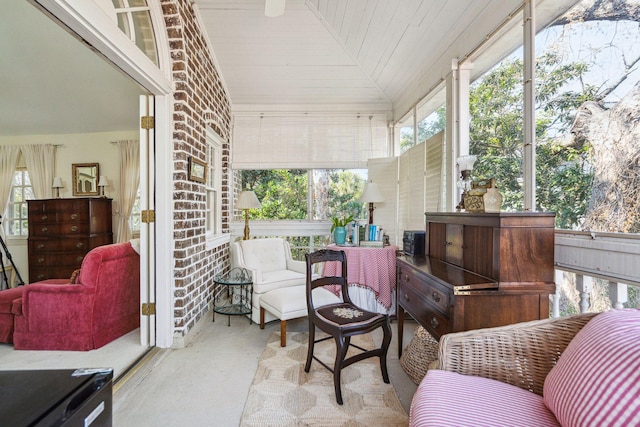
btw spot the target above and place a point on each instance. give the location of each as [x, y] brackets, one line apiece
[233, 294]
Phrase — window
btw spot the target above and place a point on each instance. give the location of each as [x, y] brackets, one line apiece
[134, 19]
[134, 220]
[300, 194]
[213, 219]
[428, 118]
[17, 211]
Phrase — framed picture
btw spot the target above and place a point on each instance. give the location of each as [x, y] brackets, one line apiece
[197, 170]
[85, 179]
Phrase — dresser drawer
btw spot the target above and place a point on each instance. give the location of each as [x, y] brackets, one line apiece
[58, 245]
[58, 229]
[60, 272]
[424, 312]
[72, 259]
[425, 287]
[63, 209]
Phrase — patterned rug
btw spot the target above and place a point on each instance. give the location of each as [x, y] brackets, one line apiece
[282, 394]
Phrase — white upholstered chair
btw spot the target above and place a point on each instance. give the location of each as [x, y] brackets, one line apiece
[272, 267]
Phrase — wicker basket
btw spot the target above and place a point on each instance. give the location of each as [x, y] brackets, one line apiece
[421, 351]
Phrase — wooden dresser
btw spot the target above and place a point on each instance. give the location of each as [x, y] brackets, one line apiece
[62, 231]
[480, 270]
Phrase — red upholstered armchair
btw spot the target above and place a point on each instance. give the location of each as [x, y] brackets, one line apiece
[101, 306]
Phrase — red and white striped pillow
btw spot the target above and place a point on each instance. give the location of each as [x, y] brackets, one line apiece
[597, 379]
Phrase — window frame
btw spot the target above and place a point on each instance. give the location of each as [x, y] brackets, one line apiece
[6, 218]
[213, 191]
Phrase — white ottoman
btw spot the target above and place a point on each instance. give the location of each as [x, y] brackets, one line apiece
[291, 303]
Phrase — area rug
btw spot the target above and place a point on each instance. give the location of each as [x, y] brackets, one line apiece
[282, 394]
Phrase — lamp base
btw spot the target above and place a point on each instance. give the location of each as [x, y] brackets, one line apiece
[246, 224]
[371, 208]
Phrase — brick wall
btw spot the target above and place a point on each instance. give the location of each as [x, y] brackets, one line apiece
[200, 100]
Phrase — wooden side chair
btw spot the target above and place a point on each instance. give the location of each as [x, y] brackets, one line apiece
[342, 321]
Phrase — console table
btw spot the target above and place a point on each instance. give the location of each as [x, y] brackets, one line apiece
[480, 270]
[370, 268]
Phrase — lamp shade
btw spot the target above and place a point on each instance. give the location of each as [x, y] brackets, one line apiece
[57, 182]
[466, 162]
[371, 194]
[103, 182]
[248, 200]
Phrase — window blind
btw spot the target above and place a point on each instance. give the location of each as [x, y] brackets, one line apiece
[434, 179]
[384, 172]
[305, 141]
[421, 182]
[412, 188]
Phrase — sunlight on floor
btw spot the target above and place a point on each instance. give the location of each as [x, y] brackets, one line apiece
[118, 354]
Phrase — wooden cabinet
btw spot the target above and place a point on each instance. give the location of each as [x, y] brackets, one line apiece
[480, 270]
[62, 231]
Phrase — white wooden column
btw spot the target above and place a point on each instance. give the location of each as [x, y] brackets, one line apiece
[457, 131]
[529, 29]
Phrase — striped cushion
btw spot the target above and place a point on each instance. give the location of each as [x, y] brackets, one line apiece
[449, 399]
[597, 379]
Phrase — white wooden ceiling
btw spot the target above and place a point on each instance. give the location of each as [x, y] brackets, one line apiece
[320, 55]
[328, 54]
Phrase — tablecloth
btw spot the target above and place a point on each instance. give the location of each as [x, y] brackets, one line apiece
[374, 268]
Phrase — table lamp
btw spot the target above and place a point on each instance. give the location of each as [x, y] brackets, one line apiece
[371, 195]
[247, 200]
[103, 182]
[465, 164]
[57, 184]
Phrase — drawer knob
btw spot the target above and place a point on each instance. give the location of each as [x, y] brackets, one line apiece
[74, 228]
[434, 323]
[406, 278]
[45, 217]
[41, 246]
[74, 216]
[45, 229]
[406, 297]
[40, 260]
[435, 296]
[79, 259]
[79, 245]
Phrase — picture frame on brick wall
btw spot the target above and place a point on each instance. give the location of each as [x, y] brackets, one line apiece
[197, 170]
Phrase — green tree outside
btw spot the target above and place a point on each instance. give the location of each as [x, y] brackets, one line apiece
[562, 172]
[283, 194]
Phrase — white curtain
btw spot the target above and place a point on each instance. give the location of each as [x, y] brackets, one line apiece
[129, 151]
[40, 160]
[8, 160]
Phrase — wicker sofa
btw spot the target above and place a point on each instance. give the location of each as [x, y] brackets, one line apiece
[581, 370]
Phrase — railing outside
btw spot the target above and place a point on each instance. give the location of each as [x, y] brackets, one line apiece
[303, 236]
[602, 268]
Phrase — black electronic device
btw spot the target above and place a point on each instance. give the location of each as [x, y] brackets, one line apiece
[413, 242]
[66, 397]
